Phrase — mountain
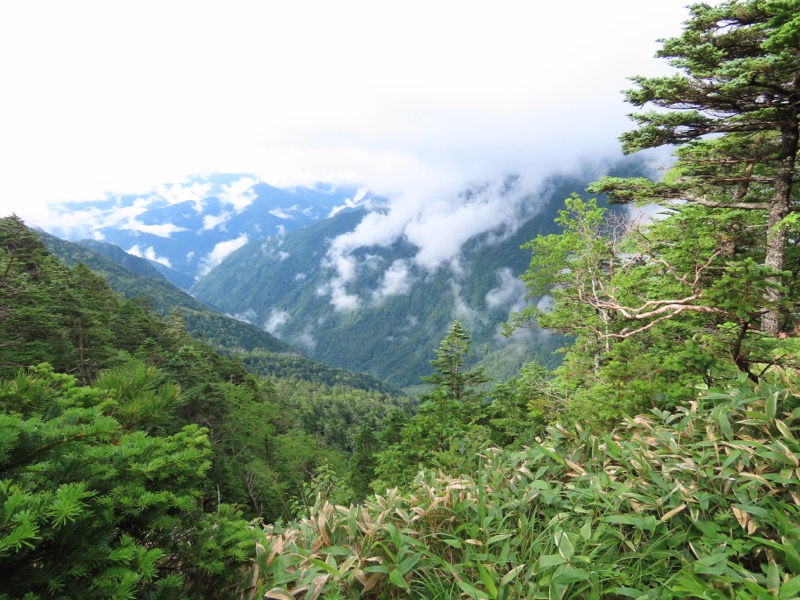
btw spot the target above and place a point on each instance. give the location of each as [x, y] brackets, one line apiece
[353, 280]
[261, 352]
[381, 307]
[186, 229]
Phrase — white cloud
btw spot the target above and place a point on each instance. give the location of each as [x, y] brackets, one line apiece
[355, 201]
[194, 192]
[280, 213]
[239, 194]
[164, 230]
[441, 228]
[462, 310]
[212, 221]
[412, 322]
[306, 339]
[220, 252]
[397, 99]
[509, 294]
[341, 299]
[76, 223]
[396, 282]
[247, 316]
[437, 226]
[277, 319]
[150, 254]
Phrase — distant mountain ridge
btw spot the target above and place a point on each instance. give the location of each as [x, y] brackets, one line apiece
[326, 270]
[288, 284]
[277, 284]
[187, 229]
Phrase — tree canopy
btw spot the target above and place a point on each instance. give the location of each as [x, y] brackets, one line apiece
[732, 109]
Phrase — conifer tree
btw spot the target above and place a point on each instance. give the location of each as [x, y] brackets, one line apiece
[733, 110]
[452, 374]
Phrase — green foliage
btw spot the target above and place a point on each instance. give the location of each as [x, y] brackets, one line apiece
[92, 508]
[454, 380]
[363, 461]
[142, 398]
[733, 113]
[695, 502]
[119, 459]
[657, 311]
[133, 277]
[298, 367]
[448, 427]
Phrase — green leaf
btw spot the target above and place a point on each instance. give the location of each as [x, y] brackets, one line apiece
[628, 592]
[772, 406]
[408, 563]
[488, 581]
[792, 556]
[756, 511]
[725, 425]
[790, 589]
[784, 430]
[396, 578]
[472, 591]
[336, 551]
[773, 577]
[508, 577]
[563, 544]
[552, 454]
[571, 575]
[323, 565]
[549, 560]
[498, 538]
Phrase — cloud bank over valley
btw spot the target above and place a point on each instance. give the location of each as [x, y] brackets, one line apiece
[414, 101]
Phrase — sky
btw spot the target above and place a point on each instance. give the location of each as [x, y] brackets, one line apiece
[404, 97]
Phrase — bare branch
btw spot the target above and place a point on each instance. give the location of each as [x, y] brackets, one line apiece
[741, 205]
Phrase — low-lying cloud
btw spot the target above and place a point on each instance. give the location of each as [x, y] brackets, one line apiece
[220, 252]
[239, 194]
[397, 281]
[150, 254]
[164, 230]
[510, 294]
[276, 320]
[437, 227]
[213, 221]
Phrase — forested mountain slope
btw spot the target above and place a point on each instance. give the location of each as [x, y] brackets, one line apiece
[266, 355]
[398, 309]
[130, 453]
[666, 461]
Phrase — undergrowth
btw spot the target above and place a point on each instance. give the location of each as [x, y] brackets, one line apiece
[700, 502]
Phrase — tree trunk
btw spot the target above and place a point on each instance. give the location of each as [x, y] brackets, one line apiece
[778, 210]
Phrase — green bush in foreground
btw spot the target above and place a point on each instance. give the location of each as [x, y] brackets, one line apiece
[701, 502]
[90, 508]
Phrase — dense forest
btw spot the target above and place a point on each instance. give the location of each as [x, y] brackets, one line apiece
[660, 460]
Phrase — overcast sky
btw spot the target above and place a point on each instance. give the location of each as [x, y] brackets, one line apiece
[119, 97]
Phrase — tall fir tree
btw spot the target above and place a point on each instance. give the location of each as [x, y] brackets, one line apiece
[733, 111]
